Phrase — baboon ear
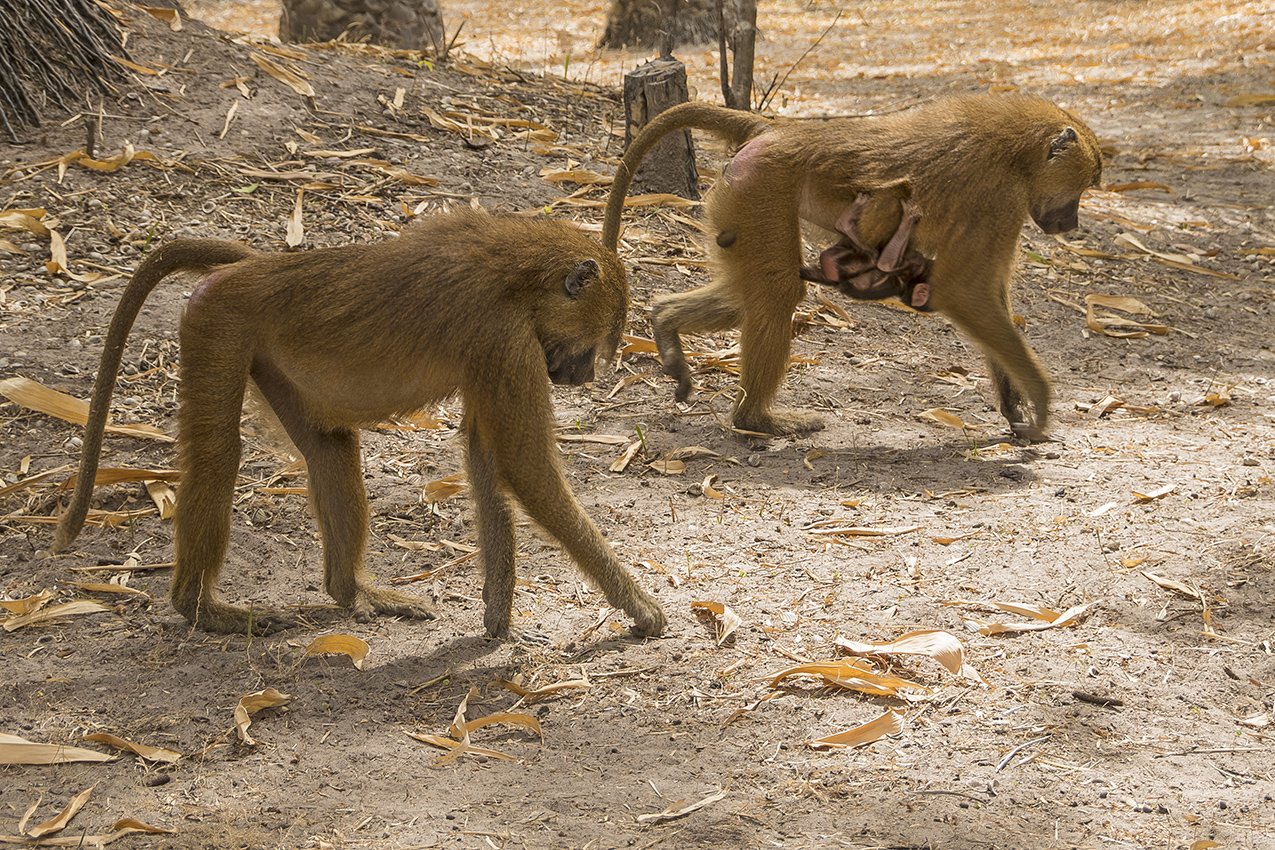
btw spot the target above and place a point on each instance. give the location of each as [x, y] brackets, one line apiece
[1062, 141]
[575, 282]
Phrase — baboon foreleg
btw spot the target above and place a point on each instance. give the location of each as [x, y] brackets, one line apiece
[495, 534]
[530, 470]
[1015, 369]
[334, 469]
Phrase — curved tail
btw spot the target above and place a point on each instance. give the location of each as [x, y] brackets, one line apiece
[168, 258]
[732, 125]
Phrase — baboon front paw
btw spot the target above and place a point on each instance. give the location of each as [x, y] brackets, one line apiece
[648, 617]
[384, 601]
[778, 422]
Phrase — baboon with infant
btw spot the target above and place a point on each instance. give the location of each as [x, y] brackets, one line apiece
[956, 179]
[335, 339]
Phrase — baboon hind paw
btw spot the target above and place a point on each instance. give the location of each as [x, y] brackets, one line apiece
[673, 360]
[1029, 431]
[496, 624]
[212, 615]
[778, 422]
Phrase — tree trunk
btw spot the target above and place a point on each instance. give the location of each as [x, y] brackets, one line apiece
[647, 23]
[404, 24]
[53, 52]
[650, 89]
[739, 30]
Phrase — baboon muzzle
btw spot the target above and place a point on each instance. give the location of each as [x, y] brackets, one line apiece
[571, 370]
[1059, 219]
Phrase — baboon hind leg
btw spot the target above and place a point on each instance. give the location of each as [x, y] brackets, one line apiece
[773, 288]
[213, 378]
[704, 310]
[1011, 403]
[339, 502]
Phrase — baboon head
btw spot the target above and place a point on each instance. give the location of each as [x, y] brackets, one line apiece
[1072, 163]
[585, 318]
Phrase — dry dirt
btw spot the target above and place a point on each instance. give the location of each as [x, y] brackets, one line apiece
[1145, 724]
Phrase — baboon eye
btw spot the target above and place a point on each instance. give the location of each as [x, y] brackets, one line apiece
[1062, 141]
[579, 276]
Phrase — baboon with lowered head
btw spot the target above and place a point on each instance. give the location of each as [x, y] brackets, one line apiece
[495, 307]
[976, 167]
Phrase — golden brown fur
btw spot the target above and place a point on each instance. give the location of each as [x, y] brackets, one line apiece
[340, 338]
[977, 167]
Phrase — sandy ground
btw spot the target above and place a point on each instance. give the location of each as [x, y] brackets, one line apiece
[1145, 723]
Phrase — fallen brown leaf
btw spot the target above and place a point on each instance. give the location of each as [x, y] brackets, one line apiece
[147, 752]
[442, 489]
[533, 695]
[855, 674]
[831, 526]
[24, 219]
[1174, 585]
[726, 621]
[53, 613]
[355, 648]
[942, 646]
[1070, 617]
[1152, 495]
[625, 457]
[169, 16]
[890, 723]
[458, 748]
[668, 467]
[16, 750]
[290, 77]
[250, 704]
[680, 809]
[59, 822]
[109, 587]
[36, 396]
[26, 604]
[943, 417]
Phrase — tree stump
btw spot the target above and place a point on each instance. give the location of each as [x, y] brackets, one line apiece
[650, 89]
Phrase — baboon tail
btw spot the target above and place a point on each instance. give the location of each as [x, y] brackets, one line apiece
[170, 257]
[733, 125]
